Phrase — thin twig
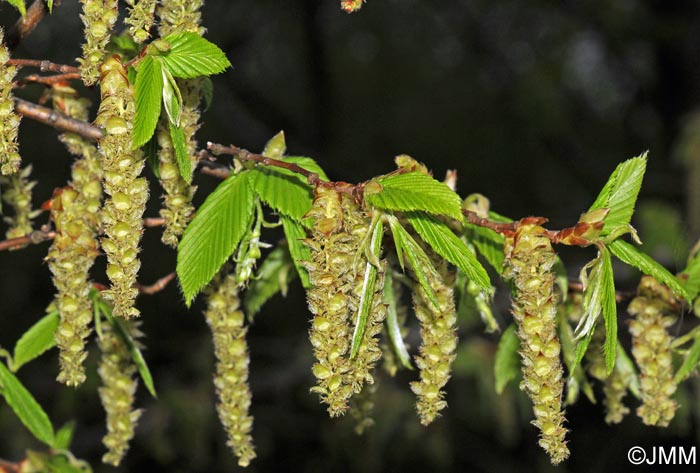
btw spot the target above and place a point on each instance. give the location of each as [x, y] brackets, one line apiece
[57, 119]
[473, 218]
[43, 65]
[10, 467]
[50, 80]
[157, 286]
[24, 26]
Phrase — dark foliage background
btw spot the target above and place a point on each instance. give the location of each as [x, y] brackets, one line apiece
[534, 103]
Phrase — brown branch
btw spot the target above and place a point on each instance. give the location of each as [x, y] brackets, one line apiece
[10, 467]
[57, 119]
[24, 26]
[505, 228]
[157, 286]
[50, 80]
[43, 65]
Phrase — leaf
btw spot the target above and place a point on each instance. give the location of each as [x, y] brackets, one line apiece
[392, 323]
[295, 234]
[214, 232]
[36, 340]
[690, 362]
[276, 146]
[581, 348]
[632, 256]
[134, 350]
[207, 92]
[506, 364]
[181, 154]
[414, 191]
[64, 436]
[592, 297]
[149, 91]
[150, 150]
[25, 406]
[419, 261]
[49, 3]
[20, 6]
[577, 379]
[172, 98]
[445, 243]
[285, 191]
[369, 282]
[488, 243]
[620, 193]
[273, 276]
[609, 311]
[690, 276]
[192, 56]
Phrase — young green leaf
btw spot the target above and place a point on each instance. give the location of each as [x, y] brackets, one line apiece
[581, 348]
[609, 310]
[172, 98]
[592, 297]
[49, 3]
[577, 379]
[134, 350]
[64, 436]
[414, 191]
[19, 5]
[214, 232]
[392, 323]
[632, 256]
[180, 146]
[620, 193]
[445, 243]
[25, 406]
[150, 150]
[488, 243]
[285, 191]
[36, 340]
[690, 276]
[690, 362]
[276, 146]
[274, 275]
[506, 364]
[369, 283]
[192, 56]
[207, 92]
[419, 261]
[149, 92]
[294, 233]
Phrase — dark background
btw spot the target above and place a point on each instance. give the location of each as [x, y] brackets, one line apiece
[533, 103]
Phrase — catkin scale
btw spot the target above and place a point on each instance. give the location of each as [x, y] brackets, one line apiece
[529, 258]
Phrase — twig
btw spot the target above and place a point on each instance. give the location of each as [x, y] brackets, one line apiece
[43, 65]
[157, 286]
[150, 222]
[505, 228]
[10, 467]
[57, 119]
[24, 26]
[50, 80]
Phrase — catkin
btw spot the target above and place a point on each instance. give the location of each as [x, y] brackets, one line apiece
[528, 264]
[10, 159]
[351, 6]
[98, 17]
[123, 209]
[75, 214]
[438, 340]
[140, 19]
[18, 195]
[615, 385]
[117, 370]
[654, 310]
[225, 319]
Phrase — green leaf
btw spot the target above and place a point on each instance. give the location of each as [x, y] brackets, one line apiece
[49, 3]
[690, 362]
[25, 406]
[172, 98]
[419, 261]
[285, 191]
[150, 150]
[181, 154]
[149, 91]
[577, 380]
[488, 243]
[506, 364]
[609, 311]
[207, 92]
[414, 191]
[134, 350]
[620, 193]
[276, 146]
[690, 276]
[392, 323]
[369, 282]
[581, 348]
[445, 243]
[36, 340]
[192, 56]
[64, 436]
[19, 5]
[214, 232]
[630, 255]
[295, 234]
[274, 275]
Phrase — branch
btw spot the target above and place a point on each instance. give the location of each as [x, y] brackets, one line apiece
[505, 228]
[43, 65]
[57, 119]
[49, 80]
[157, 286]
[24, 26]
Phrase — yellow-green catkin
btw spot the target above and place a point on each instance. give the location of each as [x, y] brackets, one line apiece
[10, 159]
[75, 215]
[140, 19]
[179, 16]
[351, 6]
[117, 370]
[336, 272]
[225, 319]
[98, 17]
[615, 385]
[529, 258]
[128, 193]
[438, 340]
[653, 311]
[17, 194]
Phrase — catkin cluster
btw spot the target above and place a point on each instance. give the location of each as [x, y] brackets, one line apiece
[225, 320]
[438, 340]
[615, 385]
[75, 215]
[117, 372]
[123, 209]
[18, 195]
[141, 18]
[654, 310]
[10, 159]
[336, 271]
[528, 264]
[98, 17]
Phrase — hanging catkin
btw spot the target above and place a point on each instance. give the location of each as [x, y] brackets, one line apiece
[10, 159]
[17, 194]
[98, 17]
[141, 18]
